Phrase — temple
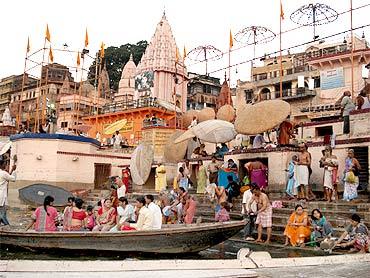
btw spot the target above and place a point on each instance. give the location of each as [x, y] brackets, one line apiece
[161, 72]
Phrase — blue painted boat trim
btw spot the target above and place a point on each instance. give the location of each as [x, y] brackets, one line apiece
[54, 136]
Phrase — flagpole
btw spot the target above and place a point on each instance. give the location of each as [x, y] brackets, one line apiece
[281, 57]
[40, 85]
[80, 90]
[19, 119]
[352, 49]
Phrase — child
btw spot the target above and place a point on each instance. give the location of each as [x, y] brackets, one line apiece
[290, 187]
[90, 219]
[223, 214]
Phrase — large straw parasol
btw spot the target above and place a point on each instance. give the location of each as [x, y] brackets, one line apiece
[141, 163]
[185, 136]
[215, 131]
[188, 117]
[206, 114]
[83, 128]
[175, 152]
[226, 113]
[112, 128]
[260, 117]
[4, 147]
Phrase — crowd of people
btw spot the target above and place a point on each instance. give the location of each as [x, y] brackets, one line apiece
[299, 171]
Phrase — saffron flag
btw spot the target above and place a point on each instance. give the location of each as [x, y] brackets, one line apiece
[86, 38]
[281, 11]
[78, 59]
[51, 57]
[47, 33]
[231, 40]
[102, 51]
[28, 45]
[185, 53]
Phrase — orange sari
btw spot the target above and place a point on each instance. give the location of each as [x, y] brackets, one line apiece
[297, 234]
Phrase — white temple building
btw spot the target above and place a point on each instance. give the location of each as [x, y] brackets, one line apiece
[161, 72]
[126, 87]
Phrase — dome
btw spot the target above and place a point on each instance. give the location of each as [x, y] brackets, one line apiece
[129, 70]
[86, 88]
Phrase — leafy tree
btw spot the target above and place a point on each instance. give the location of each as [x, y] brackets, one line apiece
[115, 58]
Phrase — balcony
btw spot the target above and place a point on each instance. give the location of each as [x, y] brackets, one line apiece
[298, 93]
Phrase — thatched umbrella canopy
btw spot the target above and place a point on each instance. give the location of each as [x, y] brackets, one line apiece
[206, 114]
[141, 163]
[175, 152]
[188, 117]
[215, 131]
[226, 113]
[260, 117]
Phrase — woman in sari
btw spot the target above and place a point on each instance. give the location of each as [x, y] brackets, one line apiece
[321, 227]
[79, 216]
[351, 182]
[330, 164]
[160, 178]
[44, 218]
[126, 179]
[297, 229]
[201, 178]
[189, 209]
[67, 214]
[106, 218]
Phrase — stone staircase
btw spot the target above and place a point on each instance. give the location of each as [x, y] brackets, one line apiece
[337, 213]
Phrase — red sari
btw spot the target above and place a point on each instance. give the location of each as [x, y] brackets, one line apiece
[126, 178]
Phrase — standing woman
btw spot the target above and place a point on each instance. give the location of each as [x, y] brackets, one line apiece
[330, 164]
[351, 172]
[201, 178]
[160, 177]
[126, 179]
[44, 217]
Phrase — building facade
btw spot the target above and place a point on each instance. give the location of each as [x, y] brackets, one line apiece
[313, 81]
[203, 90]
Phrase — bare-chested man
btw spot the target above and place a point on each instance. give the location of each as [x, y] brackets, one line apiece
[264, 214]
[304, 161]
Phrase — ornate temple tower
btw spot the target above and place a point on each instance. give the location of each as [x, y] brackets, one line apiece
[225, 95]
[103, 83]
[126, 85]
[161, 72]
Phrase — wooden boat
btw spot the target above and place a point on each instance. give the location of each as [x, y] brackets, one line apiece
[171, 239]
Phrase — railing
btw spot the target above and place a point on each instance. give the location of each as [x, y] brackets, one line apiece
[130, 104]
[296, 93]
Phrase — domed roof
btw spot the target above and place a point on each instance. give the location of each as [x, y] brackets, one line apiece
[129, 70]
[86, 88]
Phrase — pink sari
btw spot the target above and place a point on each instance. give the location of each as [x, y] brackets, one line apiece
[45, 222]
[67, 218]
[190, 208]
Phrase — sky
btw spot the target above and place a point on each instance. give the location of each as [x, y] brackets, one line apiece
[193, 22]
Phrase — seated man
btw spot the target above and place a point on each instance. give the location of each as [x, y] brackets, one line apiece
[144, 220]
[233, 189]
[357, 235]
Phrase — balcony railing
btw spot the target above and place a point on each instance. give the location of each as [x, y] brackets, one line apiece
[296, 93]
[130, 104]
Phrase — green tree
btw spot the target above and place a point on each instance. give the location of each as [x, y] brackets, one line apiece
[115, 58]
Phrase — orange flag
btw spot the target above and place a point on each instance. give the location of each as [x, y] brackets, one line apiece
[28, 45]
[102, 51]
[47, 33]
[78, 59]
[86, 38]
[231, 40]
[184, 53]
[51, 57]
[281, 11]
